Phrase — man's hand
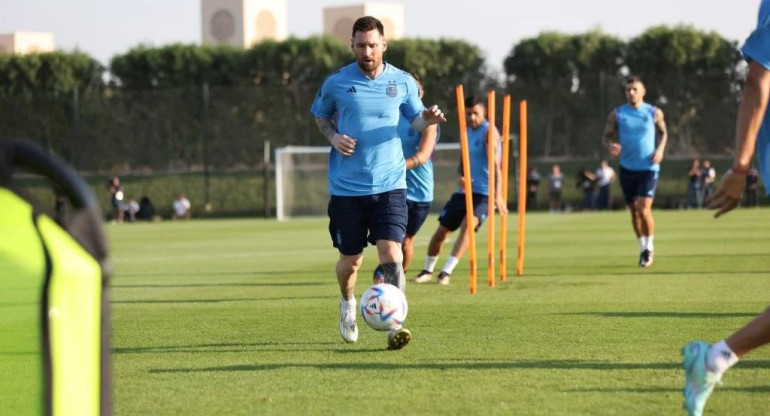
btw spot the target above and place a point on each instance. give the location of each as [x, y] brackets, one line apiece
[433, 115]
[727, 197]
[614, 149]
[657, 157]
[344, 144]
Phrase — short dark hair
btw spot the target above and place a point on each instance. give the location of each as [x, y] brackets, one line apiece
[367, 23]
[416, 78]
[473, 100]
[634, 78]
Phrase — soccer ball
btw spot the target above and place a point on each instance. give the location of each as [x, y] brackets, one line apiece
[379, 275]
[384, 307]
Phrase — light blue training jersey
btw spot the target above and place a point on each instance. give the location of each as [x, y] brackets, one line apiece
[419, 180]
[757, 49]
[368, 111]
[636, 130]
[477, 152]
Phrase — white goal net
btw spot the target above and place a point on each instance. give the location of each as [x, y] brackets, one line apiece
[301, 183]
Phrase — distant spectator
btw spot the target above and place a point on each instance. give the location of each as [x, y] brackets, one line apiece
[586, 180]
[146, 209]
[556, 181]
[181, 208]
[708, 178]
[132, 208]
[693, 186]
[533, 184]
[750, 198]
[605, 175]
[116, 198]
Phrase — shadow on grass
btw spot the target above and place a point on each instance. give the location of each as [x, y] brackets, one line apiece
[150, 301]
[658, 390]
[487, 365]
[236, 284]
[665, 314]
[219, 347]
[329, 272]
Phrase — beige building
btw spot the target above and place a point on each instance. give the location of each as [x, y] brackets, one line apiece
[242, 23]
[338, 21]
[26, 42]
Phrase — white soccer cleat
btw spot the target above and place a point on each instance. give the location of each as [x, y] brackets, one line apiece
[348, 327]
[423, 277]
[443, 278]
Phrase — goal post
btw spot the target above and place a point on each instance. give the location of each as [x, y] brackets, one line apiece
[301, 178]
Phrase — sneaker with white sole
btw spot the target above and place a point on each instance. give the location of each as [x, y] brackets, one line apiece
[348, 327]
[443, 278]
[423, 277]
[699, 382]
[398, 338]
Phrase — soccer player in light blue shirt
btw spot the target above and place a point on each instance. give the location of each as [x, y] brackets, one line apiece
[704, 364]
[357, 109]
[642, 135]
[453, 214]
[418, 151]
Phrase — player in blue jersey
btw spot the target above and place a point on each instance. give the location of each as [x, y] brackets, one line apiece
[642, 138]
[705, 364]
[453, 215]
[418, 150]
[357, 109]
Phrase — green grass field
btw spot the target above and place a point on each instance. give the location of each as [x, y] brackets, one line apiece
[239, 317]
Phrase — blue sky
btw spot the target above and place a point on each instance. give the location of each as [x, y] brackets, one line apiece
[104, 28]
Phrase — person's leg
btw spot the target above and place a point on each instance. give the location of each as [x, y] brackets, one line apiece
[348, 234]
[756, 333]
[480, 208]
[644, 209]
[705, 364]
[347, 273]
[407, 251]
[391, 261]
[417, 213]
[449, 220]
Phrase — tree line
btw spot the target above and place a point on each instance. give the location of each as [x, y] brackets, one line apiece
[178, 107]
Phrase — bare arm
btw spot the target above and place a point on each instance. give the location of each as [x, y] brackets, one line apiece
[660, 127]
[750, 115]
[610, 129]
[342, 143]
[424, 149]
[499, 201]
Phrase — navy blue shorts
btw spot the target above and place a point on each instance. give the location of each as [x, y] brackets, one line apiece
[356, 220]
[417, 213]
[638, 183]
[453, 213]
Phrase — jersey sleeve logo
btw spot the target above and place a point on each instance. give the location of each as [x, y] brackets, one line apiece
[392, 89]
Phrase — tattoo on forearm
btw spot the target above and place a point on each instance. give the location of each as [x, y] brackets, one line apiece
[327, 127]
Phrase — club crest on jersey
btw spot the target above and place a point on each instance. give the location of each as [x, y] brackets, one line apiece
[392, 89]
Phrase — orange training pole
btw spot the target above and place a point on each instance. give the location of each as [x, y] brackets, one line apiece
[491, 166]
[522, 184]
[504, 168]
[467, 183]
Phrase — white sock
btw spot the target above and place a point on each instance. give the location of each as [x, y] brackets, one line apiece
[430, 263]
[650, 246]
[348, 304]
[642, 243]
[720, 358]
[450, 264]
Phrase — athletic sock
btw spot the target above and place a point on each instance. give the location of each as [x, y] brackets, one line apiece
[650, 246]
[721, 358]
[642, 244]
[349, 304]
[430, 263]
[450, 264]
